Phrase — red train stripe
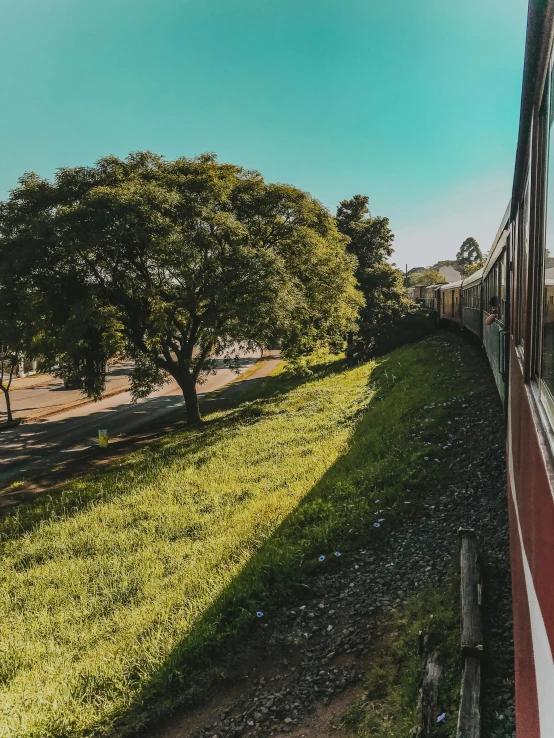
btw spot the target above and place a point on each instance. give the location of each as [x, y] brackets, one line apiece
[530, 569]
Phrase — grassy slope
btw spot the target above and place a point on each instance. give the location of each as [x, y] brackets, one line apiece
[112, 591]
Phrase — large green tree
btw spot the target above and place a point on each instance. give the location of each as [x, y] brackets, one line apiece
[185, 261]
[469, 253]
[66, 323]
[370, 240]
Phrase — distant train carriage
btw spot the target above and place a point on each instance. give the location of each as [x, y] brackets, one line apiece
[422, 295]
[471, 303]
[451, 302]
[437, 300]
[494, 302]
[429, 296]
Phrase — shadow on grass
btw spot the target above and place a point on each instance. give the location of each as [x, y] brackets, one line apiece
[234, 404]
[338, 514]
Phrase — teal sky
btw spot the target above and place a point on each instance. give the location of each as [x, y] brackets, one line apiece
[415, 104]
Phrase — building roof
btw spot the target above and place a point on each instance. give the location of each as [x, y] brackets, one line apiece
[450, 273]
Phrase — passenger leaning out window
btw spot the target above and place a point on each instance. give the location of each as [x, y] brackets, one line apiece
[493, 306]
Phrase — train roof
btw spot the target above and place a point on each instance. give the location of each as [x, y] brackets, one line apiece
[473, 278]
[452, 285]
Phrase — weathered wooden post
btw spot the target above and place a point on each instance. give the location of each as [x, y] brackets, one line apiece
[469, 716]
[429, 692]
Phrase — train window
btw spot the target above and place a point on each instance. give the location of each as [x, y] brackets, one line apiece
[502, 307]
[523, 258]
[547, 357]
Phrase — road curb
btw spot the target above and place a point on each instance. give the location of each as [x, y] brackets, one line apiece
[72, 405]
[120, 390]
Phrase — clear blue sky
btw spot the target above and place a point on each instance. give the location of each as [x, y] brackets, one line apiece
[415, 104]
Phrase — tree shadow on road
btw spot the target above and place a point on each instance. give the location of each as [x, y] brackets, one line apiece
[69, 485]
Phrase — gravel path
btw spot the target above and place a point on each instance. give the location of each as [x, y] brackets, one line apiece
[315, 649]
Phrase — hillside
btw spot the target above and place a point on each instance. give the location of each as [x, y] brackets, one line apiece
[126, 593]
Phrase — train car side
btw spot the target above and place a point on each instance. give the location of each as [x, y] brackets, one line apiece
[451, 303]
[520, 338]
[472, 318]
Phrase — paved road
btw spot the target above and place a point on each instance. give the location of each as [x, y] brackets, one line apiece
[51, 443]
[31, 395]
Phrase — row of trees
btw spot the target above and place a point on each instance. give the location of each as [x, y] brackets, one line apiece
[177, 263]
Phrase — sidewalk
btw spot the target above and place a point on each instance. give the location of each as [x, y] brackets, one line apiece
[43, 395]
[26, 382]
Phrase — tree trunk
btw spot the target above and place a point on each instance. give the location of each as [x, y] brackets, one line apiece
[191, 403]
[6, 390]
[8, 404]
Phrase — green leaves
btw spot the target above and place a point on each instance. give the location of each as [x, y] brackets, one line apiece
[177, 261]
[469, 253]
[381, 284]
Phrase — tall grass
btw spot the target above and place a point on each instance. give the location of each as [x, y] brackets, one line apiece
[112, 592]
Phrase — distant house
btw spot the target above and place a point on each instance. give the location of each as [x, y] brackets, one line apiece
[450, 273]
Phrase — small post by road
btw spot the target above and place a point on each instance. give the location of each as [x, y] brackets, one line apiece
[103, 438]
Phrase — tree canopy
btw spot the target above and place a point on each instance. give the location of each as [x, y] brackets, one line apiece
[178, 263]
[380, 282]
[472, 268]
[469, 253]
[427, 277]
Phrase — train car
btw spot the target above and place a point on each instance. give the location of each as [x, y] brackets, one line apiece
[429, 296]
[414, 293]
[529, 235]
[422, 295]
[437, 301]
[451, 302]
[494, 331]
[471, 303]
[516, 314]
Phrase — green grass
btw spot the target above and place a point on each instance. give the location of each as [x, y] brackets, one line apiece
[116, 589]
[388, 707]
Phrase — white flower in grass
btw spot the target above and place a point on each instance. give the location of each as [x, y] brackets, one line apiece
[259, 614]
[337, 553]
[376, 525]
[441, 718]
[321, 558]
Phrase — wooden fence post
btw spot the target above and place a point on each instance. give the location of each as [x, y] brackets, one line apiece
[469, 716]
